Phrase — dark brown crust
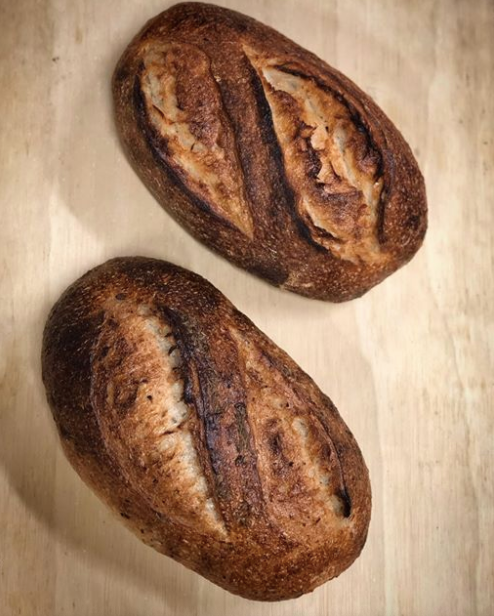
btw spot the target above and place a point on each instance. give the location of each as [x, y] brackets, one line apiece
[266, 493]
[273, 240]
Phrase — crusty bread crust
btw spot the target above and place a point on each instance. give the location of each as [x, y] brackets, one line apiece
[213, 446]
[266, 154]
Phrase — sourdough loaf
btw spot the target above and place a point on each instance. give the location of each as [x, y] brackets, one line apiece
[207, 440]
[266, 154]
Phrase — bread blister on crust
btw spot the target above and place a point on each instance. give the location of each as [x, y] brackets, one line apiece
[266, 154]
[209, 441]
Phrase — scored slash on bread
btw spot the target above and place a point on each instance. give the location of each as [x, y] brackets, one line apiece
[212, 445]
[266, 154]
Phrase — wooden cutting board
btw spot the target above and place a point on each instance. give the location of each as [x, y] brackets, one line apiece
[410, 365]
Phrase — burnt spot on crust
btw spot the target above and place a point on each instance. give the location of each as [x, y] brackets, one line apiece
[122, 73]
[274, 441]
[272, 273]
[344, 497]
[414, 221]
[242, 427]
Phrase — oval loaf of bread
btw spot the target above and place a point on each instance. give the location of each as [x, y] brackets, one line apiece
[208, 440]
[267, 154]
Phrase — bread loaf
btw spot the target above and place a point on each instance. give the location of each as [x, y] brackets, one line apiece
[212, 445]
[266, 154]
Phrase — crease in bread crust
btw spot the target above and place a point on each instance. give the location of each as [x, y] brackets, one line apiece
[209, 441]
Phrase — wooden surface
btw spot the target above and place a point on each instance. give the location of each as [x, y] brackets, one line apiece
[410, 365]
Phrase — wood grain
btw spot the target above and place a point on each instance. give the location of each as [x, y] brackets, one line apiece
[410, 365]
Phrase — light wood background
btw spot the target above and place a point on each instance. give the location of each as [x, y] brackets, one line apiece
[410, 366]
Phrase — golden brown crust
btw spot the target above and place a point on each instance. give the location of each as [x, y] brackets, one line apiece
[209, 441]
[267, 154]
